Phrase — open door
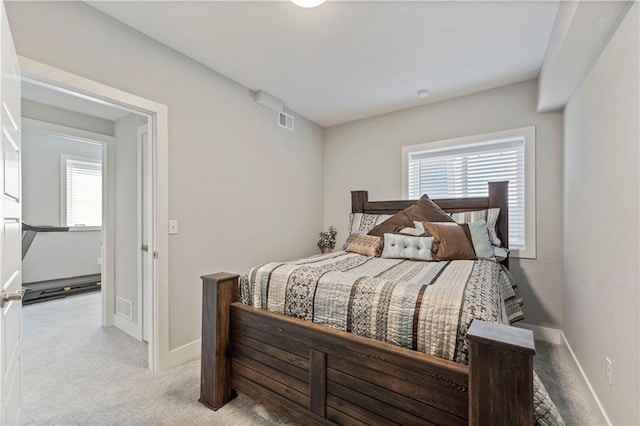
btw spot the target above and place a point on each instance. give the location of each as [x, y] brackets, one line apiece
[10, 237]
[145, 229]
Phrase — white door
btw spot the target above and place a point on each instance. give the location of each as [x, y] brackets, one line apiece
[10, 237]
[144, 192]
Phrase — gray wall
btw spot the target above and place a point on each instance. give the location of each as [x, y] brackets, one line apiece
[126, 210]
[601, 229]
[50, 114]
[366, 154]
[53, 255]
[232, 171]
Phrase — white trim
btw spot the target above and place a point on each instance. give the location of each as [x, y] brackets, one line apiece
[605, 417]
[184, 353]
[529, 135]
[43, 127]
[546, 334]
[127, 326]
[159, 136]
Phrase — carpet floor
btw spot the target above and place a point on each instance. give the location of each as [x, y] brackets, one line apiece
[75, 372]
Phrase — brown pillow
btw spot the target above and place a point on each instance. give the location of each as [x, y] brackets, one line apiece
[451, 242]
[367, 245]
[423, 210]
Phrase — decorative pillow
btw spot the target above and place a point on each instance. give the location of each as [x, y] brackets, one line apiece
[361, 223]
[490, 216]
[412, 231]
[480, 239]
[423, 210]
[452, 242]
[500, 253]
[397, 246]
[367, 245]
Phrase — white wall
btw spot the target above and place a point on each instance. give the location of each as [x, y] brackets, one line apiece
[53, 255]
[366, 154]
[244, 190]
[601, 229]
[126, 210]
[51, 114]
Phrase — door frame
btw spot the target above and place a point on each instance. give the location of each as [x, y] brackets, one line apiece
[106, 143]
[160, 357]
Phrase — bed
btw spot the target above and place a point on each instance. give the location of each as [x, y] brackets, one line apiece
[302, 358]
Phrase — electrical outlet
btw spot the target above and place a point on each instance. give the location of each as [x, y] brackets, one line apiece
[99, 261]
[609, 366]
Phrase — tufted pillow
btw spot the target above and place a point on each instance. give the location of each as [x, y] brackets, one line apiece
[398, 246]
[452, 242]
[423, 210]
[367, 245]
[489, 215]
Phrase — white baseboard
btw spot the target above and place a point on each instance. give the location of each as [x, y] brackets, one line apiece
[184, 353]
[129, 327]
[605, 417]
[546, 334]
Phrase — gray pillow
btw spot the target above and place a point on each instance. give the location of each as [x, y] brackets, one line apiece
[480, 239]
[407, 247]
[500, 253]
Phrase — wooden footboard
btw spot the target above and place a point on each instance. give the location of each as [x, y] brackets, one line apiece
[316, 374]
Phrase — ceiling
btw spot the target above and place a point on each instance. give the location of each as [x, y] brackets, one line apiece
[47, 96]
[347, 60]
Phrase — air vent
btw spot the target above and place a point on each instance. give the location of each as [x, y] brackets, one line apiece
[124, 308]
[285, 120]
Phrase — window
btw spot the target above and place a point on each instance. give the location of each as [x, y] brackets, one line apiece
[463, 167]
[81, 192]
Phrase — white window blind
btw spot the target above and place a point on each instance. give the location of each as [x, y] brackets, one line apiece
[464, 171]
[83, 193]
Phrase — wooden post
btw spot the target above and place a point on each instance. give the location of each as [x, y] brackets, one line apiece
[219, 291]
[500, 374]
[358, 198]
[499, 197]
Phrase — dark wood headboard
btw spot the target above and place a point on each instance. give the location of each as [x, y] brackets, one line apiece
[498, 197]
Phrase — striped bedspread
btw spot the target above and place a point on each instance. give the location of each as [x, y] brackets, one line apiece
[424, 306]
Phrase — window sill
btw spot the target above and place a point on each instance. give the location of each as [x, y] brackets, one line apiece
[84, 228]
[523, 254]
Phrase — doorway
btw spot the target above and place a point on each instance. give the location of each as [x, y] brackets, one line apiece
[98, 151]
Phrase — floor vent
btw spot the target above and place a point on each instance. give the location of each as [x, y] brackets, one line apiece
[285, 120]
[124, 308]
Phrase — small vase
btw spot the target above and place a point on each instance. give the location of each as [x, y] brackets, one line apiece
[326, 250]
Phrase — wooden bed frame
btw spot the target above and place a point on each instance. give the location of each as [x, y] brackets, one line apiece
[314, 374]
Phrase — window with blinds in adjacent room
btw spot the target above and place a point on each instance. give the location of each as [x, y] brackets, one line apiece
[83, 193]
[463, 167]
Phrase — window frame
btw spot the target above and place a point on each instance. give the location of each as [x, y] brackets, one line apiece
[64, 158]
[528, 134]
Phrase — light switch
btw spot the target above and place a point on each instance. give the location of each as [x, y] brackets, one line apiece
[173, 227]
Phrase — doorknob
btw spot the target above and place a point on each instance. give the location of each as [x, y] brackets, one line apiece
[4, 297]
[144, 247]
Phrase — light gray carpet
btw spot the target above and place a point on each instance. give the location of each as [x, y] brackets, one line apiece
[76, 372]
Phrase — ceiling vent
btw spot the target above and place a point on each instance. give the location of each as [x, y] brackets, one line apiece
[285, 120]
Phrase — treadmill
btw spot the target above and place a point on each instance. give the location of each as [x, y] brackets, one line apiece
[41, 291]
